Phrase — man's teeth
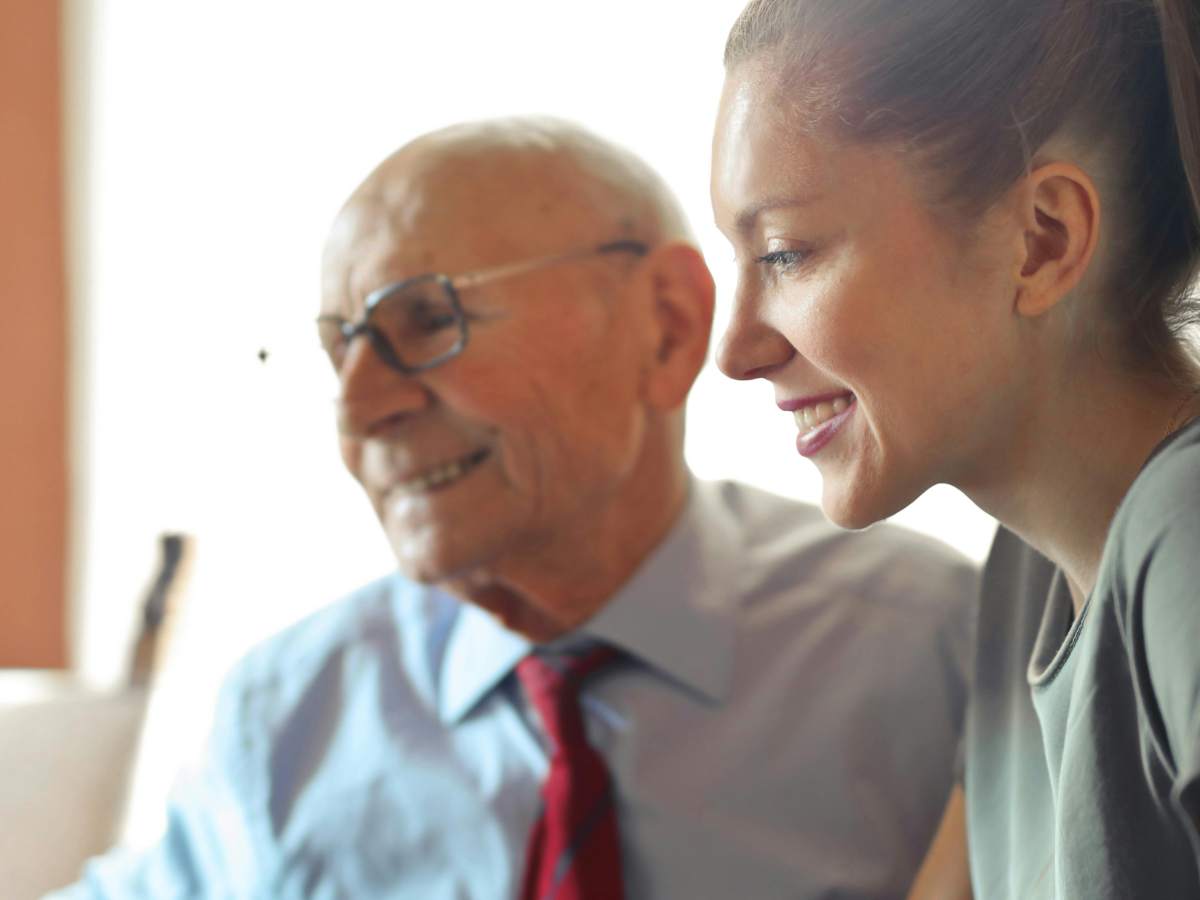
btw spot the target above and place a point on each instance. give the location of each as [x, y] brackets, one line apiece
[818, 414]
[434, 478]
[443, 474]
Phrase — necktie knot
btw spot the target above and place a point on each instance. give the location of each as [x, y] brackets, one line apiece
[552, 685]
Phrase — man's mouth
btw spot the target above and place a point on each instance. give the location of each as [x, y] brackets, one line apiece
[810, 418]
[443, 475]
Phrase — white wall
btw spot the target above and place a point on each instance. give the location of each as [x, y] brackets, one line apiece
[211, 144]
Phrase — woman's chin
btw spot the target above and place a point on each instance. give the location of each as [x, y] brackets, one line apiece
[847, 519]
[861, 507]
[853, 510]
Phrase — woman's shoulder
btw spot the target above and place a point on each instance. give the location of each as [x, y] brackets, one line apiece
[1166, 493]
[1151, 565]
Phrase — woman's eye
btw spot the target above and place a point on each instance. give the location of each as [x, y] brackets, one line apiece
[784, 260]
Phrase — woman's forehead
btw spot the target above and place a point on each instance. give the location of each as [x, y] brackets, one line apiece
[762, 160]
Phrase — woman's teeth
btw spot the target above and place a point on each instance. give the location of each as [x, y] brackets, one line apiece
[811, 417]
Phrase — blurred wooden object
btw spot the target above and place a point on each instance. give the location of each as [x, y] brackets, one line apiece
[33, 341]
[159, 608]
[946, 872]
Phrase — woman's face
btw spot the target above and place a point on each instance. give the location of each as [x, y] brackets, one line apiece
[890, 338]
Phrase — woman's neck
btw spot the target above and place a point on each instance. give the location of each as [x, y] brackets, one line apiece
[1073, 460]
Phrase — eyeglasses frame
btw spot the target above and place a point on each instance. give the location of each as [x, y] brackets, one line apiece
[451, 285]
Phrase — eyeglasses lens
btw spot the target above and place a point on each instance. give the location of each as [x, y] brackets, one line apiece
[420, 320]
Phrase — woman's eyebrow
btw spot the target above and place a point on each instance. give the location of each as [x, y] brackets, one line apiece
[748, 218]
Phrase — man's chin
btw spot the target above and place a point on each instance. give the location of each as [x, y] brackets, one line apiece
[424, 573]
[430, 561]
[470, 578]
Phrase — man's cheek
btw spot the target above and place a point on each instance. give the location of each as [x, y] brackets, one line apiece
[352, 454]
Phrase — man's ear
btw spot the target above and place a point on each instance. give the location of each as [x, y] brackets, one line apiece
[681, 294]
[1059, 211]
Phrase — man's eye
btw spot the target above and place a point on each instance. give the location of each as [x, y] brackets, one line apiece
[784, 260]
[429, 317]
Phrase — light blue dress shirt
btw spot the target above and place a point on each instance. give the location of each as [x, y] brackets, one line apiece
[784, 724]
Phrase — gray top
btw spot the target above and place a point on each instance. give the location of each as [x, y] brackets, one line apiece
[783, 725]
[1083, 737]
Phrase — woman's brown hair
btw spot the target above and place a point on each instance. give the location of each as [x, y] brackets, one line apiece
[975, 87]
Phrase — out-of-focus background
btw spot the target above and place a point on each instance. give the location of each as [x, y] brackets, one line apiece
[167, 172]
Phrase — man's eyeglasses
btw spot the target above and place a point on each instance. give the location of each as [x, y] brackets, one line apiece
[418, 323]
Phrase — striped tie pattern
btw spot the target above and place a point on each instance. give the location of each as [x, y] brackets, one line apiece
[574, 851]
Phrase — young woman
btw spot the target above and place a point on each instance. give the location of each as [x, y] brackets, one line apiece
[965, 232]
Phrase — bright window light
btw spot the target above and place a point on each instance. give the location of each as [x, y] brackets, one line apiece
[211, 145]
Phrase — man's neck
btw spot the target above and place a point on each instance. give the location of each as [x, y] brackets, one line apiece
[570, 576]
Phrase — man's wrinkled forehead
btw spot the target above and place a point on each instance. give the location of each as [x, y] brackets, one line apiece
[513, 197]
[427, 211]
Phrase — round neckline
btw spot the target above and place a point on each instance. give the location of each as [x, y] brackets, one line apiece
[1052, 647]
[1057, 634]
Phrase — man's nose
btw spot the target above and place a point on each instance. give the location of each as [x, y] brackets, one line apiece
[372, 393]
[751, 347]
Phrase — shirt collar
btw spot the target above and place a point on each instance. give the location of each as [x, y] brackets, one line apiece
[479, 654]
[675, 615]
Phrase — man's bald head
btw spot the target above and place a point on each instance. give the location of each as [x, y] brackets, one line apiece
[546, 167]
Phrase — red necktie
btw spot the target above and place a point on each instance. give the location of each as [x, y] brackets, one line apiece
[574, 850]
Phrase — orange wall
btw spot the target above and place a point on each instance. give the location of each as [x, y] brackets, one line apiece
[33, 343]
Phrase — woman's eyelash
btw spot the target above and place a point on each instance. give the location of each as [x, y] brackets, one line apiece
[784, 259]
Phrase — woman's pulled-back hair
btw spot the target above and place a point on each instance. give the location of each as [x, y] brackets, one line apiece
[975, 87]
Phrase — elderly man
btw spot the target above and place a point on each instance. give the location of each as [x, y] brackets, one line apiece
[593, 676]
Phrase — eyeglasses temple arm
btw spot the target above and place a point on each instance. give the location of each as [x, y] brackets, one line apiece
[473, 279]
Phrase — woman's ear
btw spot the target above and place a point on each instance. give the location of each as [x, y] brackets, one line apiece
[682, 294]
[1059, 211]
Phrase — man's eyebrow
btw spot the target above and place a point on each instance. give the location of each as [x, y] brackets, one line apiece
[746, 219]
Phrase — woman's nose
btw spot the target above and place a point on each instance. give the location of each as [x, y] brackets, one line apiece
[751, 347]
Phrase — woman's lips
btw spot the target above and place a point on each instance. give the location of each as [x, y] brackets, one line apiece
[821, 421]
